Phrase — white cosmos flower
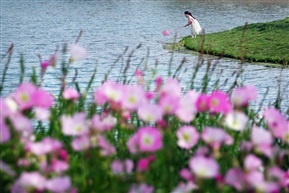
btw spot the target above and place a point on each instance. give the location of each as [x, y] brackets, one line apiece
[236, 120]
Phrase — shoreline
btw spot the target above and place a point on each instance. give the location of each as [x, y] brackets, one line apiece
[182, 49]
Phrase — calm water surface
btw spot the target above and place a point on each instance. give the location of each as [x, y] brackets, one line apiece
[109, 26]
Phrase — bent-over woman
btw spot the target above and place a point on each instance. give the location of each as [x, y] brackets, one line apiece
[196, 28]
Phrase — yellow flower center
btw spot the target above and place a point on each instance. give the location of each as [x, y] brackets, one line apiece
[286, 137]
[150, 118]
[113, 96]
[202, 172]
[78, 128]
[147, 140]
[186, 137]
[215, 102]
[132, 99]
[167, 108]
[24, 97]
[202, 105]
[235, 123]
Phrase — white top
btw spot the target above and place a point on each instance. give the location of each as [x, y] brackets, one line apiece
[196, 27]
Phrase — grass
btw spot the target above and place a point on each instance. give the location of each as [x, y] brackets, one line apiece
[258, 42]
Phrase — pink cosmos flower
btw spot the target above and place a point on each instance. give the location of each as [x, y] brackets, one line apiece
[102, 124]
[219, 102]
[42, 114]
[168, 104]
[22, 124]
[4, 131]
[23, 95]
[171, 87]
[166, 33]
[276, 122]
[185, 187]
[132, 144]
[246, 146]
[63, 154]
[23, 162]
[149, 95]
[150, 112]
[150, 139]
[143, 164]
[45, 64]
[187, 106]
[141, 188]
[187, 137]
[133, 98]
[204, 167]
[77, 52]
[251, 92]
[106, 148]
[262, 141]
[203, 150]
[32, 180]
[6, 168]
[236, 120]
[138, 73]
[158, 81]
[186, 174]
[236, 178]
[100, 97]
[113, 91]
[74, 125]
[59, 166]
[81, 143]
[202, 102]
[117, 167]
[42, 98]
[215, 137]
[54, 58]
[47, 145]
[277, 173]
[260, 136]
[58, 184]
[252, 162]
[128, 166]
[256, 180]
[121, 167]
[71, 94]
[241, 96]
[8, 107]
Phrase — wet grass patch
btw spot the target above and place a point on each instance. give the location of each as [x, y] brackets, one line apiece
[258, 42]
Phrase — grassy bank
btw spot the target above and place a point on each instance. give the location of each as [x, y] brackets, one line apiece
[258, 42]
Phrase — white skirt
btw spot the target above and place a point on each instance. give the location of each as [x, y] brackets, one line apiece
[196, 28]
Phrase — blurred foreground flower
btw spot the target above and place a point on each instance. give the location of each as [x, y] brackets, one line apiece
[77, 52]
[166, 33]
[241, 96]
[70, 94]
[204, 167]
[236, 120]
[74, 125]
[146, 139]
[187, 137]
[141, 188]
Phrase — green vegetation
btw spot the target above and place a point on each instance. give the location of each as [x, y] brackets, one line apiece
[258, 42]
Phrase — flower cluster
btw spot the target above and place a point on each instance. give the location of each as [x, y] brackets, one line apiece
[132, 139]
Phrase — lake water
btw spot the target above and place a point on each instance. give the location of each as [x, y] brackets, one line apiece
[109, 26]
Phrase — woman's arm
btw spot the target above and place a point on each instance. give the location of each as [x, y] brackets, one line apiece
[189, 23]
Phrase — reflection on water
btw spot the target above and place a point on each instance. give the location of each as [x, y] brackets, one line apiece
[37, 27]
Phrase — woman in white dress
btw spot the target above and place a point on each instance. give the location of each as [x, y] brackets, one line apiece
[196, 28]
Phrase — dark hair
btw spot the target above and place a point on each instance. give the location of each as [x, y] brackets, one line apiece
[189, 13]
